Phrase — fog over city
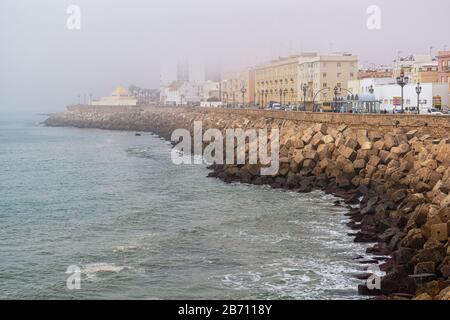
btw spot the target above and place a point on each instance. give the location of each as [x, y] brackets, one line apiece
[44, 65]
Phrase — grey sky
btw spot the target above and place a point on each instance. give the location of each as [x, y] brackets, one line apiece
[43, 65]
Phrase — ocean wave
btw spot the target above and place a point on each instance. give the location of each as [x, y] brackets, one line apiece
[125, 249]
[91, 270]
[140, 152]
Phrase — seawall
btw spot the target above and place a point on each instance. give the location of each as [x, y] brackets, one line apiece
[395, 168]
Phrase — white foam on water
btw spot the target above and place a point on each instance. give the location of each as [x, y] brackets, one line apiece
[91, 270]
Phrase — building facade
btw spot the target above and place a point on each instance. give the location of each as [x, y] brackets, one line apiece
[119, 97]
[180, 93]
[425, 72]
[443, 58]
[322, 73]
[277, 81]
[284, 79]
[238, 88]
[433, 96]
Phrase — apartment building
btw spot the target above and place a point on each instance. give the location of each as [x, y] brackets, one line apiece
[238, 88]
[277, 80]
[321, 73]
[443, 58]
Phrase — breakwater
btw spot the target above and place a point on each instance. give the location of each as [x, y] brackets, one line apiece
[392, 171]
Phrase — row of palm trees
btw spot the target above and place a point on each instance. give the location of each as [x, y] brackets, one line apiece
[143, 95]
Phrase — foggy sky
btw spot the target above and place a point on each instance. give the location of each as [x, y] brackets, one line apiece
[43, 65]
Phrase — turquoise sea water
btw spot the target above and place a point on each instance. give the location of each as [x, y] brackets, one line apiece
[140, 227]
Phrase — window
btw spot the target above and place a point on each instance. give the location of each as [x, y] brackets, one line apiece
[351, 74]
[324, 75]
[324, 84]
[338, 84]
[338, 74]
[339, 64]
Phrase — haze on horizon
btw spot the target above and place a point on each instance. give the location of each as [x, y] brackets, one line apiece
[44, 65]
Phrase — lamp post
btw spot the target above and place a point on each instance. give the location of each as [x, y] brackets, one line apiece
[305, 90]
[418, 91]
[243, 91]
[281, 94]
[266, 93]
[234, 99]
[402, 81]
[336, 91]
[284, 95]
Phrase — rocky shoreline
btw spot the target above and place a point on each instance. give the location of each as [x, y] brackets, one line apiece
[395, 182]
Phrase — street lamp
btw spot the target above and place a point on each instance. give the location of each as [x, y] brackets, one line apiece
[402, 81]
[284, 95]
[418, 91]
[336, 91]
[266, 93]
[305, 90]
[281, 94]
[243, 91]
[234, 99]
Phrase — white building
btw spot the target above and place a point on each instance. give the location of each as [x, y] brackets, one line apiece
[180, 93]
[119, 97]
[433, 95]
[209, 90]
[363, 86]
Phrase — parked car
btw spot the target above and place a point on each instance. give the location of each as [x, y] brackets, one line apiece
[411, 110]
[435, 112]
[277, 106]
[290, 107]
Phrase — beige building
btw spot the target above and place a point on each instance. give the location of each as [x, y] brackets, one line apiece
[425, 72]
[282, 80]
[277, 80]
[322, 73]
[418, 68]
[119, 97]
[238, 87]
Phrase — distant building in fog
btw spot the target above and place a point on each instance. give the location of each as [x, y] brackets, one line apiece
[119, 97]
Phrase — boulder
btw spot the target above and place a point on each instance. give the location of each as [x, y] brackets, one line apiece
[328, 139]
[439, 232]
[374, 161]
[414, 239]
[367, 145]
[423, 296]
[351, 143]
[390, 141]
[379, 145]
[427, 267]
[347, 152]
[435, 254]
[444, 294]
